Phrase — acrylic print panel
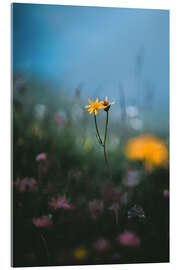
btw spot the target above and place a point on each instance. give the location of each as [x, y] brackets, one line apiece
[90, 135]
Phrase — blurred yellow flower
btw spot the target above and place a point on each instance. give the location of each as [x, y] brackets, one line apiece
[94, 106]
[88, 144]
[80, 253]
[148, 148]
[20, 141]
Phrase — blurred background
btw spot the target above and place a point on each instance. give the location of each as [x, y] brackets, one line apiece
[61, 56]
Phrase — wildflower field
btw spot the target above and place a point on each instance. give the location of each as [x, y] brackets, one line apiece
[88, 187]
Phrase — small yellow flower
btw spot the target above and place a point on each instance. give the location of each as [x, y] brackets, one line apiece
[80, 253]
[149, 149]
[107, 104]
[20, 142]
[88, 144]
[94, 106]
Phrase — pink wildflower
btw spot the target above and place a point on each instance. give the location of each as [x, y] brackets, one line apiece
[41, 156]
[60, 203]
[101, 245]
[59, 120]
[96, 207]
[16, 183]
[42, 222]
[27, 184]
[128, 239]
[166, 193]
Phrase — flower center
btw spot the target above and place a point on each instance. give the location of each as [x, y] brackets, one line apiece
[106, 103]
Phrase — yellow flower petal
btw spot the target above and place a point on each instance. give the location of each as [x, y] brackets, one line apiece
[90, 101]
[149, 149]
[80, 253]
[95, 106]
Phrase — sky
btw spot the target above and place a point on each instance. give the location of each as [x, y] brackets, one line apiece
[105, 49]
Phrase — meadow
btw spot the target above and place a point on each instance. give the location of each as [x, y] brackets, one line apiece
[70, 205]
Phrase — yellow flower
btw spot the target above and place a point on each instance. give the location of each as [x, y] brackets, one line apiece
[80, 253]
[107, 104]
[94, 106]
[88, 144]
[148, 148]
[20, 142]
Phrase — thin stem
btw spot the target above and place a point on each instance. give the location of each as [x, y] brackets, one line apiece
[116, 216]
[98, 135]
[105, 137]
[45, 245]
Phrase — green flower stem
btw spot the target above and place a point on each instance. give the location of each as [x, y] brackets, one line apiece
[45, 246]
[98, 135]
[105, 137]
